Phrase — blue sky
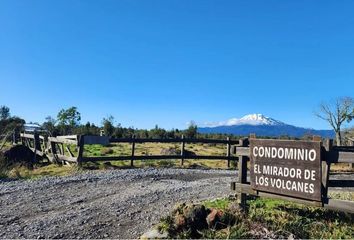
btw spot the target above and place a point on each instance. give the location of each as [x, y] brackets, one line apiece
[163, 62]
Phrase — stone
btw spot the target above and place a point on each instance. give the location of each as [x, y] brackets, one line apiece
[213, 217]
[154, 234]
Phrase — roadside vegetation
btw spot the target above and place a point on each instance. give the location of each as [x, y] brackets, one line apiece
[25, 168]
[265, 218]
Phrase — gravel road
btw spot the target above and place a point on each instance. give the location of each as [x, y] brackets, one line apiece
[102, 204]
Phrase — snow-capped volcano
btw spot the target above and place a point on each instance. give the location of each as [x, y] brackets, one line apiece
[250, 119]
[261, 126]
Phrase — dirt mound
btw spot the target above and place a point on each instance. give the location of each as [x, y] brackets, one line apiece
[17, 155]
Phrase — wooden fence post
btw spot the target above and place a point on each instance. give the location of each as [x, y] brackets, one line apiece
[327, 144]
[352, 164]
[133, 150]
[36, 145]
[228, 152]
[14, 137]
[81, 149]
[182, 150]
[242, 174]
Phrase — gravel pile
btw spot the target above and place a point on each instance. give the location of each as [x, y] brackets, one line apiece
[102, 204]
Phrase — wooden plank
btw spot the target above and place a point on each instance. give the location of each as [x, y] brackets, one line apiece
[339, 156]
[81, 149]
[68, 137]
[341, 183]
[246, 188]
[242, 151]
[66, 158]
[327, 145]
[62, 140]
[182, 150]
[151, 157]
[228, 152]
[26, 135]
[69, 151]
[340, 205]
[133, 151]
[242, 169]
[187, 140]
[54, 151]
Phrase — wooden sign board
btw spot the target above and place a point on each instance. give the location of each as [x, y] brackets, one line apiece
[285, 167]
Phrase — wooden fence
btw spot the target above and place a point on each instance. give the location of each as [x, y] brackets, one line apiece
[56, 148]
[332, 154]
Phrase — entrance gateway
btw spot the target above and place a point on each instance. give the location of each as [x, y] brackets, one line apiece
[286, 167]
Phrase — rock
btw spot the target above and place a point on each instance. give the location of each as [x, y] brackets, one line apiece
[213, 217]
[179, 221]
[195, 216]
[154, 234]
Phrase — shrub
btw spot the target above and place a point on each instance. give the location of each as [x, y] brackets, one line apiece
[106, 151]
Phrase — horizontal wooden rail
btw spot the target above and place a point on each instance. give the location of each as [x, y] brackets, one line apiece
[26, 135]
[68, 136]
[156, 157]
[62, 140]
[335, 155]
[329, 203]
[341, 183]
[167, 140]
[342, 205]
[246, 188]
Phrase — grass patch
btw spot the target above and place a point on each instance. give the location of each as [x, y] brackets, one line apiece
[38, 171]
[265, 218]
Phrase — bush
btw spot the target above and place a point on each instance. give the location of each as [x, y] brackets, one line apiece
[106, 151]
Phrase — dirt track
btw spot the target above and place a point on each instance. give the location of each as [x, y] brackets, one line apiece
[109, 204]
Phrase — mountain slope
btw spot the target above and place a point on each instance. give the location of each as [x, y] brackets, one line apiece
[261, 126]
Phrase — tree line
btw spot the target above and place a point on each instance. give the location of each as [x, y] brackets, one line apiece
[68, 121]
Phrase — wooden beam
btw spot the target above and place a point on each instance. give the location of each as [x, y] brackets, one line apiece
[62, 140]
[26, 135]
[182, 150]
[242, 151]
[339, 205]
[338, 156]
[152, 157]
[66, 158]
[68, 137]
[228, 152]
[81, 149]
[186, 140]
[246, 188]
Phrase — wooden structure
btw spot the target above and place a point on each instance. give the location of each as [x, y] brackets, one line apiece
[330, 155]
[57, 149]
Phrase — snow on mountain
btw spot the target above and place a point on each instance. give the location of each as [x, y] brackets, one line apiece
[250, 119]
[261, 126]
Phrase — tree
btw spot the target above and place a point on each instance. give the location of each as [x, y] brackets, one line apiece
[49, 125]
[191, 131]
[4, 113]
[336, 113]
[68, 119]
[108, 125]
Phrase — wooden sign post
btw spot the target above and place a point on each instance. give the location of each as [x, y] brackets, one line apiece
[285, 167]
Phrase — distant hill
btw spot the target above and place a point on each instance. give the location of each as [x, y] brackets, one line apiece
[262, 126]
